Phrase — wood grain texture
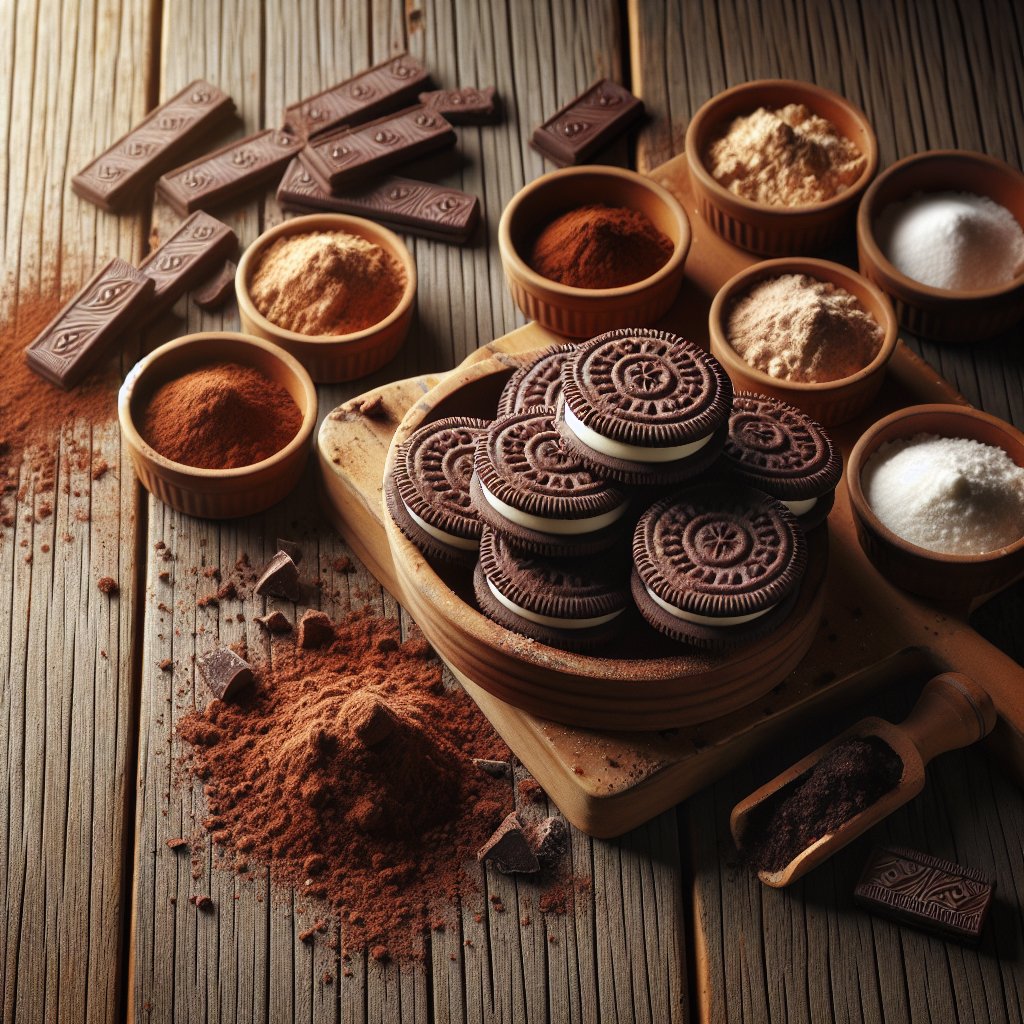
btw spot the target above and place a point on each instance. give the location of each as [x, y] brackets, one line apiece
[929, 76]
[72, 79]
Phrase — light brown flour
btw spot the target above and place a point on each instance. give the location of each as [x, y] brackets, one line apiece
[796, 328]
[784, 157]
[326, 282]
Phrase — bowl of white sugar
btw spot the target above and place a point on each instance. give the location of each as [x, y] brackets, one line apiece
[937, 493]
[942, 234]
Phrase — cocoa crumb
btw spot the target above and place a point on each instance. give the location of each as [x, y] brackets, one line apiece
[166, 665]
[107, 585]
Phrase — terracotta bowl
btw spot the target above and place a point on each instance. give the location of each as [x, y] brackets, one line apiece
[937, 576]
[332, 357]
[939, 313]
[777, 230]
[586, 312]
[216, 493]
[830, 402]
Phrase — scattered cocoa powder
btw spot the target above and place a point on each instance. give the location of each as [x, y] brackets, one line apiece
[221, 416]
[384, 830]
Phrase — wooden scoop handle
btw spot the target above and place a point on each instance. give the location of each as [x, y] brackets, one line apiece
[953, 711]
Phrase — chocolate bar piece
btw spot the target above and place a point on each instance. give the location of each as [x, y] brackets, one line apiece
[136, 160]
[226, 674]
[229, 172]
[291, 548]
[353, 154]
[386, 86]
[188, 257]
[218, 289]
[280, 578]
[462, 106]
[942, 897]
[419, 207]
[508, 849]
[112, 303]
[587, 124]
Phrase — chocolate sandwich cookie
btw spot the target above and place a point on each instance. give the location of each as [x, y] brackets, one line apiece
[577, 604]
[644, 407]
[427, 494]
[717, 564]
[529, 486]
[536, 384]
[780, 450]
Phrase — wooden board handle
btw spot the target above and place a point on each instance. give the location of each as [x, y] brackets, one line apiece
[953, 711]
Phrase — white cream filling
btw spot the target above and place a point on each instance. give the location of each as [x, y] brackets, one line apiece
[544, 525]
[798, 508]
[551, 620]
[629, 452]
[705, 620]
[463, 543]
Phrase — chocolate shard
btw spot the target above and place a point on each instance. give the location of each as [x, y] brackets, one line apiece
[386, 86]
[275, 622]
[587, 124]
[192, 253]
[226, 673]
[112, 304]
[136, 160]
[417, 207]
[218, 289]
[509, 850]
[350, 155]
[467, 105]
[496, 769]
[548, 838]
[229, 172]
[939, 896]
[315, 629]
[280, 578]
[291, 548]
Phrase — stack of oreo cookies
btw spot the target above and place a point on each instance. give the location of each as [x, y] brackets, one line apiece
[621, 478]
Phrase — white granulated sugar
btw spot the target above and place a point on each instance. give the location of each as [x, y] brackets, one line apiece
[952, 240]
[947, 494]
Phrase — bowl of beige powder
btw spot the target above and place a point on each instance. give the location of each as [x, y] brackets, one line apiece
[778, 166]
[335, 291]
[813, 333]
[937, 493]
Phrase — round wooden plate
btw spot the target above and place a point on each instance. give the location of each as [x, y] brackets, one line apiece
[643, 681]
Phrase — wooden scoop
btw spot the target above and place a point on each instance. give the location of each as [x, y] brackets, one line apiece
[953, 711]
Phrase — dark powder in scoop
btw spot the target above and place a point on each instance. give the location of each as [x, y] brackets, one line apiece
[849, 778]
[221, 416]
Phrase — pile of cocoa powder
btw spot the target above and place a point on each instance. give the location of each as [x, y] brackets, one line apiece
[348, 771]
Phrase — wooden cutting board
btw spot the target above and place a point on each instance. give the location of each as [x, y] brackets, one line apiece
[606, 782]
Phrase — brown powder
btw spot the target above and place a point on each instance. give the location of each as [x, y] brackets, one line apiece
[222, 416]
[784, 157]
[326, 282]
[600, 247]
[348, 771]
[794, 327]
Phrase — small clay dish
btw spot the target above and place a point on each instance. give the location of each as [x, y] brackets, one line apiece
[777, 230]
[938, 576]
[332, 357]
[940, 313]
[586, 312]
[829, 402]
[216, 493]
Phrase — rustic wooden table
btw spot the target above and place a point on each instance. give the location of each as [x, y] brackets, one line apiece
[96, 925]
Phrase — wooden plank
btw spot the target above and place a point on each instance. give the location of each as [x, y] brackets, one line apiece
[926, 76]
[72, 79]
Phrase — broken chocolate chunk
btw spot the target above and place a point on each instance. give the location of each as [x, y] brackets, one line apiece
[275, 622]
[226, 674]
[508, 849]
[280, 578]
[292, 549]
[496, 769]
[315, 629]
[548, 838]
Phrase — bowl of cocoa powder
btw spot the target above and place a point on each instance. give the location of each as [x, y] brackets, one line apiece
[593, 249]
[778, 166]
[809, 332]
[218, 424]
[335, 291]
